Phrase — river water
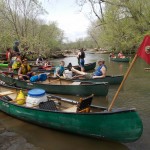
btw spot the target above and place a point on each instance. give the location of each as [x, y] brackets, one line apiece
[135, 93]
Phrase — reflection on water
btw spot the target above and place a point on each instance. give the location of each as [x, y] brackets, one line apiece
[135, 93]
[120, 68]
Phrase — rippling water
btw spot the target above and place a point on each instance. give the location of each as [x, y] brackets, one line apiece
[135, 93]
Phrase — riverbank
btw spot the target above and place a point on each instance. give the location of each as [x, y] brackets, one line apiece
[12, 141]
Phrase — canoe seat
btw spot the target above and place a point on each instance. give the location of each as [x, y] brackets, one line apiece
[49, 105]
[71, 109]
[82, 106]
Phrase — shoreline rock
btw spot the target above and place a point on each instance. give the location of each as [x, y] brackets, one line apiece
[12, 141]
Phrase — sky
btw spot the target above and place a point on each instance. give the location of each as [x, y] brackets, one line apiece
[69, 18]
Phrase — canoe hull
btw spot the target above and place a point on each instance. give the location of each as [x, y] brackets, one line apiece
[122, 126]
[87, 67]
[3, 65]
[127, 59]
[112, 80]
[98, 89]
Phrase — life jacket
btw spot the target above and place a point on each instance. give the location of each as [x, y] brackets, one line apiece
[98, 71]
[25, 69]
[7, 55]
[13, 59]
[16, 65]
[120, 55]
[61, 70]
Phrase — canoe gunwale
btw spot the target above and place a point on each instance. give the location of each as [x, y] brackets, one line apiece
[90, 83]
[111, 79]
[113, 76]
[114, 111]
[69, 101]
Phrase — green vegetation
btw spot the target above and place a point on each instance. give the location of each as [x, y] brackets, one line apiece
[120, 24]
[20, 20]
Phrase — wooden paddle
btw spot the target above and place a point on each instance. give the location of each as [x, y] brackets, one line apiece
[125, 77]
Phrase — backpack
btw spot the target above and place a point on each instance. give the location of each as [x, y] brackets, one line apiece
[40, 77]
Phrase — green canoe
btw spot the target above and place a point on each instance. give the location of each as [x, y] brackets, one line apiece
[123, 125]
[61, 87]
[3, 65]
[112, 80]
[126, 59]
[87, 67]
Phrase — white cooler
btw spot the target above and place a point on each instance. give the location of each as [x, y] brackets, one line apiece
[35, 96]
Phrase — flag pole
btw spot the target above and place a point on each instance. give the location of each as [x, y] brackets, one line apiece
[125, 77]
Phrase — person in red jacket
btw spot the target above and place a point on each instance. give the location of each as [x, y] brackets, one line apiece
[8, 54]
[120, 55]
[8, 58]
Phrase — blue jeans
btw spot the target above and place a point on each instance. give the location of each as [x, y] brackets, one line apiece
[82, 62]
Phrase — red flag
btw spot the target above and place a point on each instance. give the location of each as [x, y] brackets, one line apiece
[144, 49]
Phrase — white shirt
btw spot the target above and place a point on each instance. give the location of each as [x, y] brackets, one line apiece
[68, 74]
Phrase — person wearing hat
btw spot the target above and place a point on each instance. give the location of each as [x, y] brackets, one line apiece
[99, 73]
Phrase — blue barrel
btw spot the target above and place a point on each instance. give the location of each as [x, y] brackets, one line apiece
[36, 93]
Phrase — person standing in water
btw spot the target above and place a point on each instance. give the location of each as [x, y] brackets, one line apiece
[81, 56]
